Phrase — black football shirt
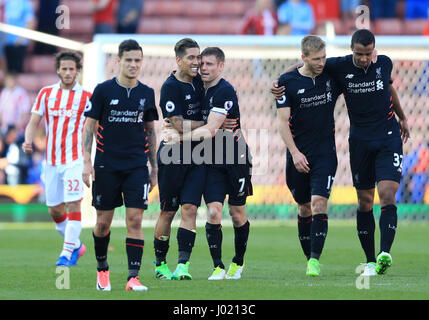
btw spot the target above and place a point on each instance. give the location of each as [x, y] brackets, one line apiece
[122, 143]
[368, 96]
[312, 102]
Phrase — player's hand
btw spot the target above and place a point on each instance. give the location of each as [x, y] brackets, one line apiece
[166, 124]
[405, 130]
[88, 171]
[170, 136]
[27, 147]
[230, 124]
[153, 178]
[374, 56]
[300, 162]
[277, 91]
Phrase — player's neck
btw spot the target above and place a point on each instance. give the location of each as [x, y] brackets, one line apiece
[67, 86]
[305, 71]
[212, 83]
[127, 82]
[182, 76]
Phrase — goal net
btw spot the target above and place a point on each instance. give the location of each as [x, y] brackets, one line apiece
[252, 63]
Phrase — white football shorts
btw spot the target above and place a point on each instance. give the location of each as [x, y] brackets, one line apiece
[63, 183]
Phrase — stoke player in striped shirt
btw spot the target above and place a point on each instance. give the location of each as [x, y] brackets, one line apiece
[61, 105]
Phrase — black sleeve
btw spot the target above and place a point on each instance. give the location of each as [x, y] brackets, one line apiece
[151, 113]
[224, 100]
[171, 101]
[285, 101]
[390, 68]
[95, 109]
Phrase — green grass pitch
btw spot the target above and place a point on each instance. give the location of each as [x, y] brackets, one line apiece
[275, 266]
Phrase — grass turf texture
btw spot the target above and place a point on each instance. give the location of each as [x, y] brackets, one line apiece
[275, 266]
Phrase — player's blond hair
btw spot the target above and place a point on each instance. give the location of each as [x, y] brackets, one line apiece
[311, 44]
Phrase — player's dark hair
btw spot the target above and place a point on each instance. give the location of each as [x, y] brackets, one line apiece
[68, 55]
[128, 45]
[363, 37]
[184, 44]
[214, 51]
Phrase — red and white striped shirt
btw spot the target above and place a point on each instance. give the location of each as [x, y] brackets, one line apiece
[63, 111]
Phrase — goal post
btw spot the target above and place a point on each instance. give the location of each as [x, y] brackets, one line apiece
[252, 63]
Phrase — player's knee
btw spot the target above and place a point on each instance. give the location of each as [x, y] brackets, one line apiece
[365, 201]
[167, 216]
[134, 221]
[319, 205]
[214, 213]
[304, 210]
[73, 206]
[57, 211]
[102, 228]
[189, 209]
[238, 214]
[387, 196]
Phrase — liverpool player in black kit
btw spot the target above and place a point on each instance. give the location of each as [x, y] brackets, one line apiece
[375, 142]
[122, 121]
[306, 124]
[228, 161]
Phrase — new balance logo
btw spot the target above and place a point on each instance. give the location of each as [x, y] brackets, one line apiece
[114, 102]
[300, 91]
[350, 76]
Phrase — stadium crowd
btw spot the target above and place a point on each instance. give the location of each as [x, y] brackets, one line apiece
[301, 17]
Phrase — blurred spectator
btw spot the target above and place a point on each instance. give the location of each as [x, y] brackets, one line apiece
[18, 13]
[383, 9]
[129, 15]
[14, 106]
[296, 17]
[46, 23]
[261, 19]
[426, 29]
[348, 9]
[2, 42]
[416, 9]
[38, 158]
[104, 15]
[278, 3]
[415, 170]
[325, 9]
[14, 160]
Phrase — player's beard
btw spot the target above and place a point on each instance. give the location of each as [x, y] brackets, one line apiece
[68, 81]
[315, 70]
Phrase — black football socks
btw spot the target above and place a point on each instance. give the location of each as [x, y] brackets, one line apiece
[388, 225]
[185, 241]
[161, 246]
[214, 239]
[318, 232]
[134, 248]
[365, 228]
[101, 245]
[240, 242]
[304, 228]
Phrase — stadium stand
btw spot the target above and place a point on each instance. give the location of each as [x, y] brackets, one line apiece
[224, 17]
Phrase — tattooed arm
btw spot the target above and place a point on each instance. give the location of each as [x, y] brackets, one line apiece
[151, 136]
[178, 123]
[89, 131]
